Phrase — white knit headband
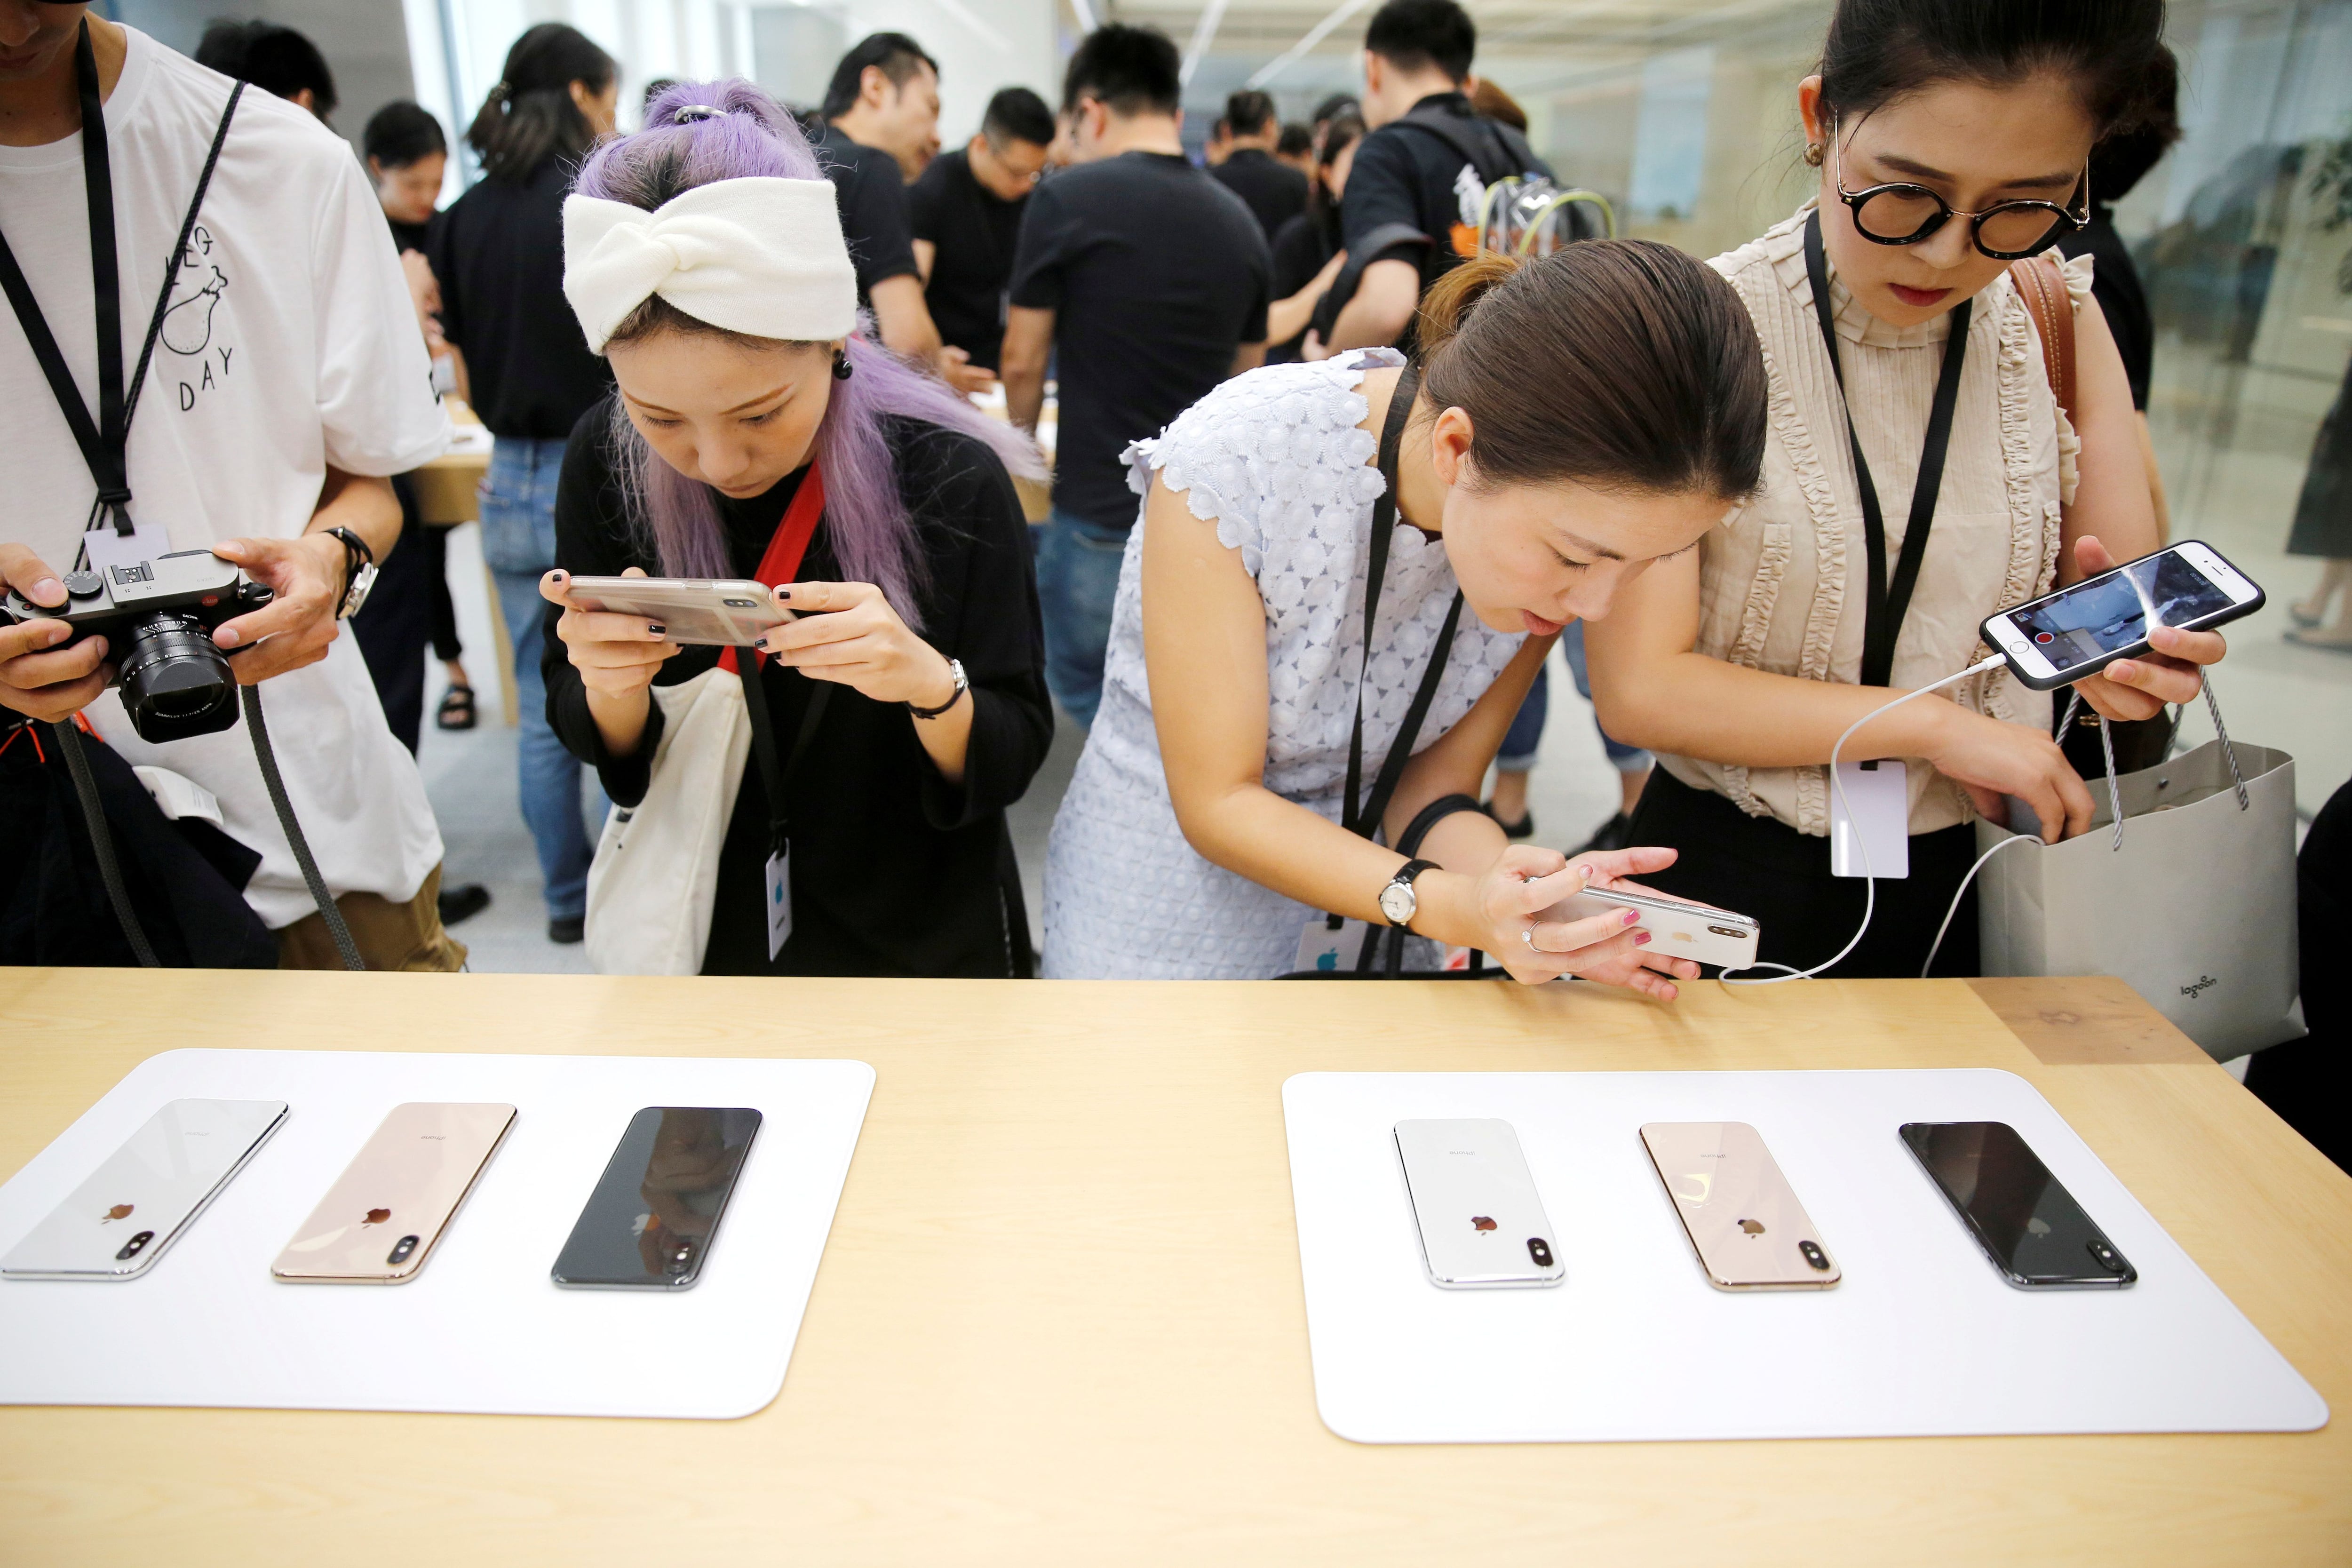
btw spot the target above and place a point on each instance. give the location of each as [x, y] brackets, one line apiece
[759, 255]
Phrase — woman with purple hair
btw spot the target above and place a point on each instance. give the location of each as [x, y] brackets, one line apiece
[705, 259]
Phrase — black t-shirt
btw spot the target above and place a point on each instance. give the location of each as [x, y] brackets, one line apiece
[976, 233]
[2115, 283]
[873, 207]
[1276, 192]
[1300, 248]
[499, 254]
[1157, 275]
[409, 235]
[894, 871]
[1404, 174]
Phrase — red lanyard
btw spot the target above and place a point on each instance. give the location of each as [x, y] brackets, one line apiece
[782, 564]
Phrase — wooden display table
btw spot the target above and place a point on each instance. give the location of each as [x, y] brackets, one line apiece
[1059, 1320]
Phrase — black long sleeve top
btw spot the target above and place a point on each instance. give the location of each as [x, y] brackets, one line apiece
[894, 871]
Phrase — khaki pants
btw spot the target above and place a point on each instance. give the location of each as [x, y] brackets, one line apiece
[389, 935]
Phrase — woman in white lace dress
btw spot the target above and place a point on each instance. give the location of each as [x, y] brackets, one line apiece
[1573, 419]
[1953, 137]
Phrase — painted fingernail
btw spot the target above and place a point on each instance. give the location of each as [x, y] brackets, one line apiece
[1641, 938]
[782, 594]
[655, 628]
[558, 575]
[1631, 916]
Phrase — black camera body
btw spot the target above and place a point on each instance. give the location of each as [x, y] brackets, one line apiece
[158, 616]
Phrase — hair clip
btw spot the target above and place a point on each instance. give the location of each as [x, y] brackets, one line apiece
[694, 114]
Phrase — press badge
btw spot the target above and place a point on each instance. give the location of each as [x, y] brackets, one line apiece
[779, 900]
[1331, 952]
[107, 549]
[1875, 814]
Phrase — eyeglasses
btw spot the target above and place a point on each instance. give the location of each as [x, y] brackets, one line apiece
[1901, 213]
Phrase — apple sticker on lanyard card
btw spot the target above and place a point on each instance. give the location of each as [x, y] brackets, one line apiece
[1871, 810]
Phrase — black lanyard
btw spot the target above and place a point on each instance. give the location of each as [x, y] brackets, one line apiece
[105, 442]
[1886, 602]
[1363, 817]
[763, 741]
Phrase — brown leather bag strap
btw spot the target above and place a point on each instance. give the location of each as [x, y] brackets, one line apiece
[2041, 285]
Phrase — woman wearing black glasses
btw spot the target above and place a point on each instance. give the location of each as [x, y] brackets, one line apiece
[1953, 137]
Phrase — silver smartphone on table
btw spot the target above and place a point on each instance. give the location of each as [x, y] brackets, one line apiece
[148, 1193]
[1481, 1220]
[1677, 926]
[2076, 632]
[719, 611]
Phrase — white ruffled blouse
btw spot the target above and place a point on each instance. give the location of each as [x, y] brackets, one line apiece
[1781, 585]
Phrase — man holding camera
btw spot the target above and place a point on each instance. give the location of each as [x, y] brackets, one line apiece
[283, 380]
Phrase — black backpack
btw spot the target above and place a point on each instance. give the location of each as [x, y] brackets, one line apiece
[1524, 210]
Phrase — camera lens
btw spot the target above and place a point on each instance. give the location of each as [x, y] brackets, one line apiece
[401, 1249]
[176, 679]
[134, 1247]
[2106, 1257]
[1814, 1256]
[1541, 1251]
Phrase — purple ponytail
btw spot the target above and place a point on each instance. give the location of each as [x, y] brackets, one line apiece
[872, 536]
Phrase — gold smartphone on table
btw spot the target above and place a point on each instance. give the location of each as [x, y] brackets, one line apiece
[1742, 1217]
[378, 1223]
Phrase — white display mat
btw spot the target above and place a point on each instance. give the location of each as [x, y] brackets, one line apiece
[1921, 1339]
[481, 1328]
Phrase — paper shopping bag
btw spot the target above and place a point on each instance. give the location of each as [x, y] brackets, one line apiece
[656, 867]
[2192, 905]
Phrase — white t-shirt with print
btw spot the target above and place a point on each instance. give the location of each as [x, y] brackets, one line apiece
[289, 344]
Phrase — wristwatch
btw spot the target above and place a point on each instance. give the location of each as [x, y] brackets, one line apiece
[955, 668]
[359, 572]
[1397, 903]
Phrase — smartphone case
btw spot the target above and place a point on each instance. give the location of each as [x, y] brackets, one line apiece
[148, 1193]
[705, 613]
[378, 1223]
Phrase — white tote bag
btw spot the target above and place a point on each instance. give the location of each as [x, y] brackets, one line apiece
[656, 866]
[2192, 903]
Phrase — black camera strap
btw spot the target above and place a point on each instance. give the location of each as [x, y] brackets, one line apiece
[105, 441]
[1885, 602]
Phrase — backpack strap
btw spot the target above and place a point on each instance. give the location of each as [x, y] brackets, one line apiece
[2042, 284]
[1486, 151]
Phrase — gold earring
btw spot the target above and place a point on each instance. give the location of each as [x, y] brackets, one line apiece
[1813, 153]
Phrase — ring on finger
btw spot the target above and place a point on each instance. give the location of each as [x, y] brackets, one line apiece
[1529, 936]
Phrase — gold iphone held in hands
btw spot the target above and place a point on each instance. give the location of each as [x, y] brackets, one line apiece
[1742, 1217]
[378, 1223]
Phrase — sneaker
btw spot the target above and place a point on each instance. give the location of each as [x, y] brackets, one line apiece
[565, 930]
[1615, 834]
[1523, 827]
[462, 903]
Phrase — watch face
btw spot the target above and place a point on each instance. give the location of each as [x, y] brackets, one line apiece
[1397, 903]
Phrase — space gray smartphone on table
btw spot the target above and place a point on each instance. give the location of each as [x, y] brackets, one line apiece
[654, 1216]
[2027, 1225]
[1481, 1220]
[134, 1206]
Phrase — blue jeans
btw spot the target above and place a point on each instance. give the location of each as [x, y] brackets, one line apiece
[1526, 734]
[1078, 582]
[517, 501]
